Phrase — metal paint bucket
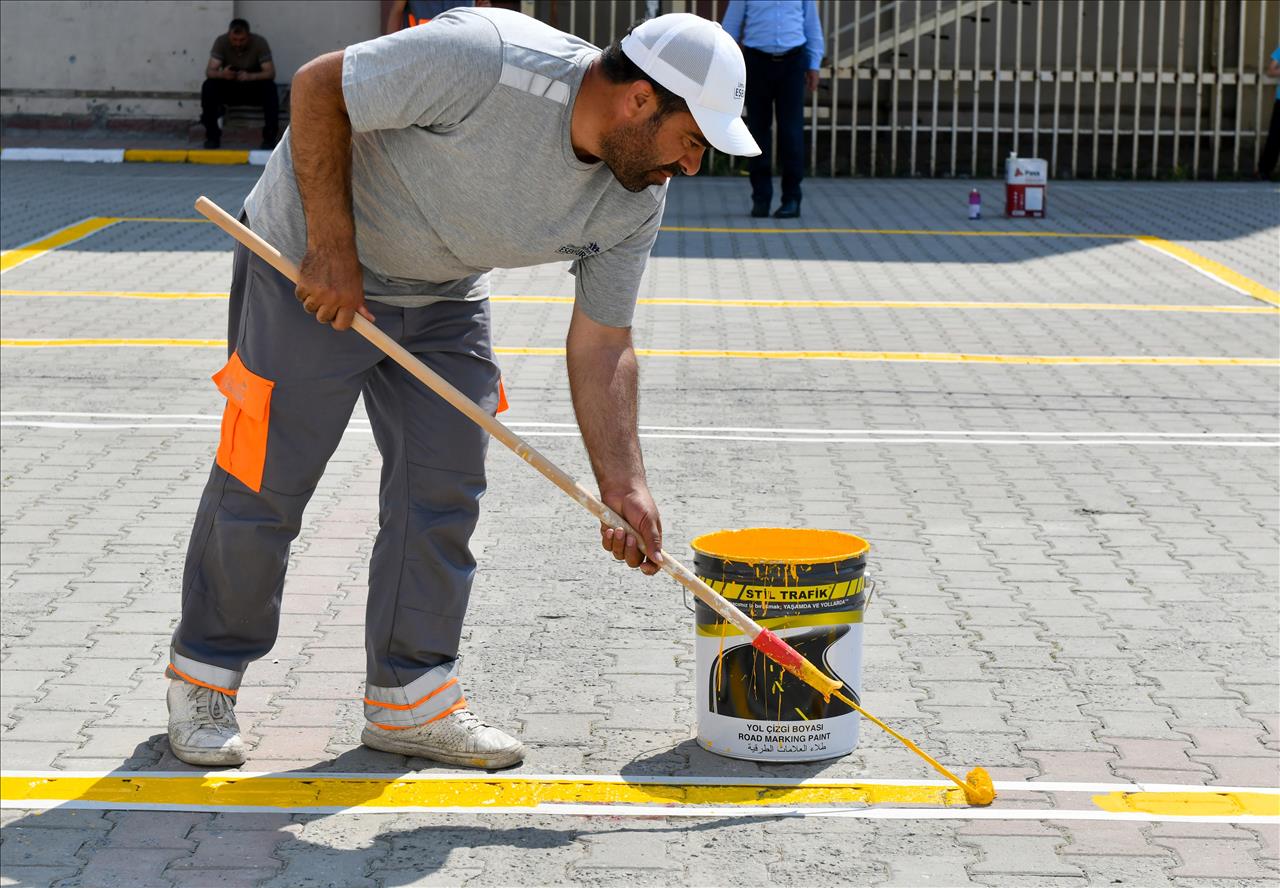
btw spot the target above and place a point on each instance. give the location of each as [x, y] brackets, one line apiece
[808, 587]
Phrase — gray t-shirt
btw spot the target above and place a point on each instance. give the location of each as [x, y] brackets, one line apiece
[462, 162]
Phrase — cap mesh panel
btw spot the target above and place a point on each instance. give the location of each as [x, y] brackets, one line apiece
[690, 54]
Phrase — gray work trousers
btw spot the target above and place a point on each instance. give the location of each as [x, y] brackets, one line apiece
[292, 384]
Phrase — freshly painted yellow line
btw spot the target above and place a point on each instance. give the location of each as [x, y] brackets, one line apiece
[1191, 804]
[737, 303]
[60, 238]
[1214, 269]
[1233, 279]
[900, 357]
[584, 795]
[150, 155]
[319, 791]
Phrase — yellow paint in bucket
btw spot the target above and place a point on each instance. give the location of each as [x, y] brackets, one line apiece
[807, 587]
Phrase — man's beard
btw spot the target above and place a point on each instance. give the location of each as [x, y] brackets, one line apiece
[628, 153]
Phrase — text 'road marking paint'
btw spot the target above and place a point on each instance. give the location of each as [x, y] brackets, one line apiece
[735, 303]
[895, 357]
[18, 255]
[631, 796]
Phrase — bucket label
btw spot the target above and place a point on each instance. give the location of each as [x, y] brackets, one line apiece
[748, 706]
[748, 592]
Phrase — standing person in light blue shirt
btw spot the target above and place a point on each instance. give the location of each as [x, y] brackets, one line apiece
[782, 43]
[1270, 150]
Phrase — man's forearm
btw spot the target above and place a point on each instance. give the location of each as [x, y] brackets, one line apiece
[603, 380]
[320, 139]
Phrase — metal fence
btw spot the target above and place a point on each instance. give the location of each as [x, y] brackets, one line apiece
[1098, 88]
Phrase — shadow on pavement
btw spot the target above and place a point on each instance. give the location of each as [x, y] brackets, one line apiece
[335, 853]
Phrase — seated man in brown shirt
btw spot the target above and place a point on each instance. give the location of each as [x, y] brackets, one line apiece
[240, 72]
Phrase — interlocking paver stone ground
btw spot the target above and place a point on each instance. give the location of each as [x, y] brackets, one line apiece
[1065, 612]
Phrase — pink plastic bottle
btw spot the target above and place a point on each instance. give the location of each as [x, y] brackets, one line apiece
[975, 204]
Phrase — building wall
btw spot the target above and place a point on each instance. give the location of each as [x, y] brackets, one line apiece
[146, 58]
[300, 30]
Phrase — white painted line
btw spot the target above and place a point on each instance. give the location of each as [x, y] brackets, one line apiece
[810, 436]
[259, 158]
[75, 155]
[1210, 275]
[532, 424]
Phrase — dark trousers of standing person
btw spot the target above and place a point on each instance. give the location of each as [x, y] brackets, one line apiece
[775, 86]
[1271, 150]
[216, 95]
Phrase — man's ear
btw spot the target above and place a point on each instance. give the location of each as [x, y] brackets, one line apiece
[638, 100]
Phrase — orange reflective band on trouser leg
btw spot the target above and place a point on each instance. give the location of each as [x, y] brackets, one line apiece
[404, 706]
[502, 397]
[178, 673]
[461, 704]
[416, 703]
[242, 447]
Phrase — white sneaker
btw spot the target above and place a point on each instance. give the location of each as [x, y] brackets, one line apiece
[202, 725]
[460, 738]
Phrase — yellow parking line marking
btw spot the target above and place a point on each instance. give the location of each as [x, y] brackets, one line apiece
[900, 357]
[60, 238]
[459, 792]
[1223, 804]
[1222, 273]
[896, 304]
[1230, 278]
[1217, 270]
[617, 796]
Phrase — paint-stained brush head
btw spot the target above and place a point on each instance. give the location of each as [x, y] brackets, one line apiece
[978, 788]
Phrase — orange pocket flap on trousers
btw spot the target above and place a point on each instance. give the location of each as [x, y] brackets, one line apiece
[242, 449]
[244, 388]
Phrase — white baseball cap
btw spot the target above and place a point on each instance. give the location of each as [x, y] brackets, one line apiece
[695, 59]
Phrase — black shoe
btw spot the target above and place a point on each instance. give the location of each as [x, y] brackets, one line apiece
[212, 144]
[760, 209]
[790, 209]
[267, 146]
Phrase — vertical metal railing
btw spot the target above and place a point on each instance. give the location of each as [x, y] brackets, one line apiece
[917, 87]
